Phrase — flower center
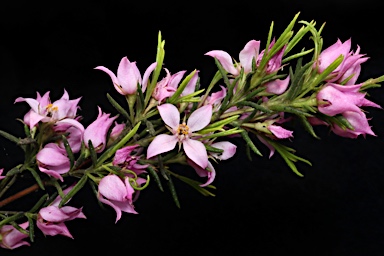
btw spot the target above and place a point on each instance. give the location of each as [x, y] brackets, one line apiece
[182, 131]
[51, 109]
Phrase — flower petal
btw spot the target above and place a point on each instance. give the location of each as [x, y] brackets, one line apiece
[250, 52]
[113, 188]
[160, 144]
[196, 151]
[147, 72]
[225, 60]
[170, 115]
[200, 118]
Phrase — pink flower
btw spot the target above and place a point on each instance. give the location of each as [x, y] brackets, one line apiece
[117, 129]
[97, 131]
[43, 110]
[277, 86]
[216, 98]
[229, 150]
[128, 76]
[274, 63]
[209, 172]
[350, 64]
[249, 53]
[50, 219]
[359, 122]
[182, 133]
[280, 132]
[341, 98]
[352, 67]
[75, 132]
[53, 160]
[162, 89]
[11, 238]
[1, 172]
[128, 156]
[117, 194]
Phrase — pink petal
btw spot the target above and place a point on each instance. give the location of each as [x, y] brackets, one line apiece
[200, 118]
[113, 188]
[176, 78]
[160, 144]
[225, 60]
[170, 115]
[228, 147]
[127, 76]
[53, 214]
[277, 86]
[147, 72]
[280, 132]
[191, 86]
[196, 151]
[250, 52]
[113, 77]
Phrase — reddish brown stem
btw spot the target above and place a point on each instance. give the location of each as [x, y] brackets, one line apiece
[19, 194]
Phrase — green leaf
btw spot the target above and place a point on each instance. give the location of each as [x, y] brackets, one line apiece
[92, 152]
[78, 186]
[156, 177]
[297, 80]
[180, 88]
[173, 191]
[31, 228]
[213, 149]
[308, 127]
[288, 155]
[250, 143]
[39, 203]
[110, 151]
[254, 105]
[9, 137]
[69, 151]
[155, 75]
[220, 134]
[37, 177]
[219, 124]
[195, 184]
[117, 106]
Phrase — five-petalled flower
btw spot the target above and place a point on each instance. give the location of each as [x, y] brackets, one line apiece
[182, 133]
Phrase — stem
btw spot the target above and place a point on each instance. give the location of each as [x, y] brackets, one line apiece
[21, 194]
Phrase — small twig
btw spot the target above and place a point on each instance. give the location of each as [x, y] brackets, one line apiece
[21, 194]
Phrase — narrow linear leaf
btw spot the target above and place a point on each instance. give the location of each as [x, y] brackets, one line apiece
[181, 88]
[9, 137]
[37, 177]
[308, 127]
[173, 191]
[95, 191]
[156, 177]
[69, 151]
[110, 151]
[213, 149]
[79, 185]
[250, 143]
[117, 106]
[11, 218]
[39, 203]
[92, 152]
[31, 228]
[224, 133]
[254, 105]
[195, 184]
[17, 226]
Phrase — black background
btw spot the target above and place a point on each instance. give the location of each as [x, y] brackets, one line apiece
[260, 207]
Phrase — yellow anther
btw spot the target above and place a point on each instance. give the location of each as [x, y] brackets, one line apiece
[183, 129]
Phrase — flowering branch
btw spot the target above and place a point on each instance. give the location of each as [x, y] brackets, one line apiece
[170, 118]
